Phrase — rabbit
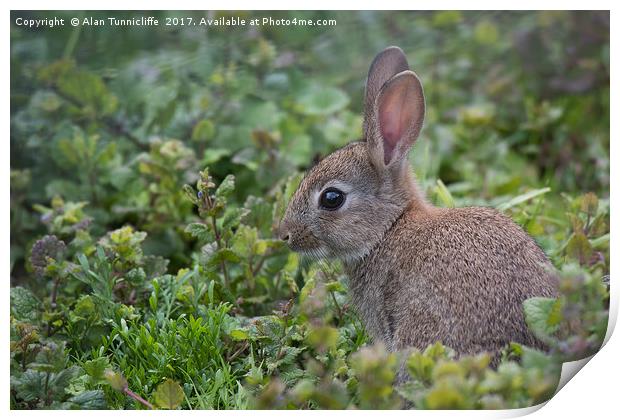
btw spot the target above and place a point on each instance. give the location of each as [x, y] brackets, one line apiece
[417, 273]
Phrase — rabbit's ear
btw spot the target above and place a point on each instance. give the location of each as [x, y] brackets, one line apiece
[397, 120]
[386, 65]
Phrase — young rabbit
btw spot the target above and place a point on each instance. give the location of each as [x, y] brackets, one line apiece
[417, 273]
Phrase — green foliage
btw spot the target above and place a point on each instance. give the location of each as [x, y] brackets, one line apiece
[169, 394]
[149, 170]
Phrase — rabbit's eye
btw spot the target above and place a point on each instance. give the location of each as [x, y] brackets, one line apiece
[331, 199]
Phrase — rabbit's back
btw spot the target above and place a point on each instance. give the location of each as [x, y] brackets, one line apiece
[458, 276]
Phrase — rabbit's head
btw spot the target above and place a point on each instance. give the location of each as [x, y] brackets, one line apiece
[346, 203]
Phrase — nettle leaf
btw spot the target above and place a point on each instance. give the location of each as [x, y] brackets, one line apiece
[89, 400]
[226, 187]
[59, 381]
[199, 231]
[225, 254]
[190, 193]
[323, 338]
[233, 217]
[51, 358]
[30, 386]
[169, 395]
[541, 316]
[96, 368]
[24, 304]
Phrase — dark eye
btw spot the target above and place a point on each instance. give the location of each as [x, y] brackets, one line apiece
[331, 199]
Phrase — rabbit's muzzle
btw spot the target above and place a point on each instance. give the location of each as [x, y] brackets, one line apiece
[298, 237]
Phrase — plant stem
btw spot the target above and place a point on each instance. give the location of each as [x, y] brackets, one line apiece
[138, 398]
[238, 352]
[53, 301]
[259, 265]
[218, 239]
[338, 308]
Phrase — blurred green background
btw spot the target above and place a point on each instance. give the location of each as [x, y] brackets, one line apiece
[515, 100]
[109, 123]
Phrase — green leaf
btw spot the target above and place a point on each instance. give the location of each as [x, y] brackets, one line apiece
[420, 366]
[444, 194]
[335, 286]
[90, 400]
[199, 231]
[323, 337]
[486, 32]
[322, 99]
[214, 155]
[589, 203]
[203, 131]
[24, 304]
[445, 397]
[225, 254]
[540, 316]
[522, 198]
[190, 193]
[85, 307]
[233, 217]
[96, 368]
[226, 187]
[579, 248]
[169, 395]
[239, 334]
[30, 386]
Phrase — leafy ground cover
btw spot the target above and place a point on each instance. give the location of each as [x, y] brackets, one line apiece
[149, 170]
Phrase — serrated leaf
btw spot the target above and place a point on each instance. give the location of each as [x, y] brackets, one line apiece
[190, 193]
[199, 231]
[226, 187]
[96, 368]
[169, 395]
[30, 386]
[233, 217]
[90, 400]
[225, 254]
[538, 314]
[24, 304]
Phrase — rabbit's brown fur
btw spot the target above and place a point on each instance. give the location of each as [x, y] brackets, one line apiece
[418, 273]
